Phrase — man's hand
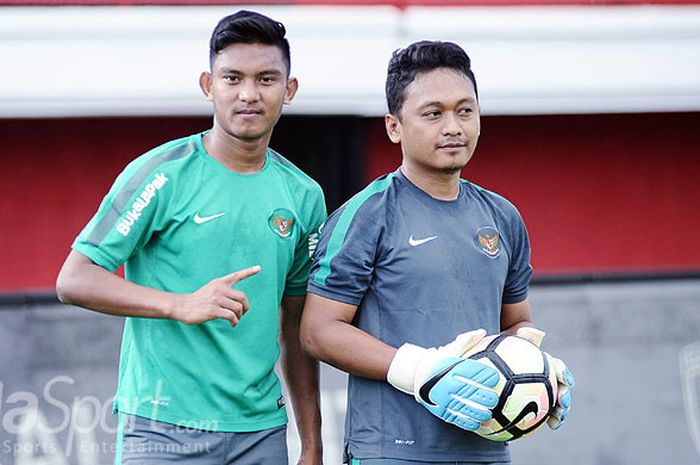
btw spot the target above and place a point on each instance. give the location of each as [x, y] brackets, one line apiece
[215, 299]
[565, 380]
[455, 390]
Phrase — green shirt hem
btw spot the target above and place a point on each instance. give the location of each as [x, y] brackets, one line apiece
[208, 425]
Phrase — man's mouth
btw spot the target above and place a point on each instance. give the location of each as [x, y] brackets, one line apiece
[452, 145]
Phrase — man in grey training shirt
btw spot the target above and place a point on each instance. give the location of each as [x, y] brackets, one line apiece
[416, 258]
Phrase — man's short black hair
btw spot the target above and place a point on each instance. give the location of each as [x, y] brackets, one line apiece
[422, 57]
[248, 27]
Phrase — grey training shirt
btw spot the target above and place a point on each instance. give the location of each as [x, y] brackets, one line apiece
[420, 270]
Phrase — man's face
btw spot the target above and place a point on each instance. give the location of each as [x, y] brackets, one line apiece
[439, 125]
[248, 86]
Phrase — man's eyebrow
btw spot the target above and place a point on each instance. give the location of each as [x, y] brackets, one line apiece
[431, 104]
[275, 72]
[437, 103]
[228, 70]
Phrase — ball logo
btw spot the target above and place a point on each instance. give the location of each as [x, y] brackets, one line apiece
[488, 241]
[527, 387]
[281, 222]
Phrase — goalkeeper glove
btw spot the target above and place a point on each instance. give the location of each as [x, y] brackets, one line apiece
[565, 380]
[455, 390]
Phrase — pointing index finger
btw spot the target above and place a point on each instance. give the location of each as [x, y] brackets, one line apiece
[240, 275]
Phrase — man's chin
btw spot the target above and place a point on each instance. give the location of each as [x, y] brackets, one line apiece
[456, 165]
[452, 166]
[450, 170]
[248, 135]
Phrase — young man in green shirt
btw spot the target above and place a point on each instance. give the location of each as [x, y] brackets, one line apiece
[216, 231]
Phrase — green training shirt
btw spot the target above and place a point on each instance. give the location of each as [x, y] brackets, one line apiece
[178, 219]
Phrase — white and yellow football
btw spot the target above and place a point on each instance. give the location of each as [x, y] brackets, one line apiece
[527, 387]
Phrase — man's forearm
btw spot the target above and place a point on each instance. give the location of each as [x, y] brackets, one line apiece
[302, 378]
[515, 316]
[301, 373]
[328, 335]
[352, 350]
[88, 285]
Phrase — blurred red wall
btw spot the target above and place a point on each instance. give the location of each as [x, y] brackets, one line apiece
[53, 177]
[599, 193]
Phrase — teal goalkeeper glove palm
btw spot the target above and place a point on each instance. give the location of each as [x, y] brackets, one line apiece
[565, 380]
[455, 390]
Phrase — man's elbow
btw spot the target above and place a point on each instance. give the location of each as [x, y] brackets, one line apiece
[64, 289]
[68, 286]
[310, 340]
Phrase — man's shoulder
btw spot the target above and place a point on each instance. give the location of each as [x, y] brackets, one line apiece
[172, 150]
[373, 195]
[159, 164]
[365, 211]
[160, 155]
[293, 174]
[493, 199]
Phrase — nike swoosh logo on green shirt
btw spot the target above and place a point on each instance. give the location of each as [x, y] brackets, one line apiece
[203, 219]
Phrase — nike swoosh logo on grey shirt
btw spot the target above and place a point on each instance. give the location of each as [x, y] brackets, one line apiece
[415, 242]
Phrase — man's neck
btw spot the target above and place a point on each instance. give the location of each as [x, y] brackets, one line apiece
[241, 156]
[441, 186]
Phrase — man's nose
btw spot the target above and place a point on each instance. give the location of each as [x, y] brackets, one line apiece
[248, 91]
[451, 125]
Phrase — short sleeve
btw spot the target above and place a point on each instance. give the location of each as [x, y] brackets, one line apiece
[298, 275]
[125, 219]
[344, 261]
[519, 268]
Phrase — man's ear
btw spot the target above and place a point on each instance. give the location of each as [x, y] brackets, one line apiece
[292, 87]
[205, 83]
[393, 127]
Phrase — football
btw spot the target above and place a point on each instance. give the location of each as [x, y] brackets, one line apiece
[527, 387]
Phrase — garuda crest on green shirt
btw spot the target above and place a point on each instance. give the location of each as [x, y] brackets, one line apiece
[281, 222]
